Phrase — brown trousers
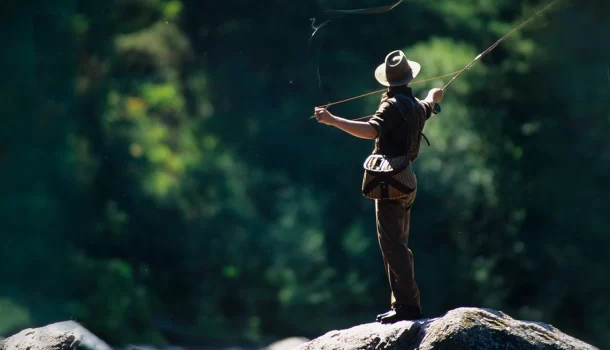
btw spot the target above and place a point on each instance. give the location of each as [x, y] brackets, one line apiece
[393, 218]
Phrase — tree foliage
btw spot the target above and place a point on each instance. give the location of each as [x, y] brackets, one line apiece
[162, 182]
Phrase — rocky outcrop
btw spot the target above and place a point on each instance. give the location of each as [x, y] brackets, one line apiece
[459, 329]
[67, 335]
[70, 335]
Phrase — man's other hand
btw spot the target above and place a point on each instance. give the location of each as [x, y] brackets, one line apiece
[324, 116]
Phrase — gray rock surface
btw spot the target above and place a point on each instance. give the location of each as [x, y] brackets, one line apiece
[68, 335]
[459, 329]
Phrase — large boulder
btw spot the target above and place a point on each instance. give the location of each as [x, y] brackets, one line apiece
[68, 335]
[459, 329]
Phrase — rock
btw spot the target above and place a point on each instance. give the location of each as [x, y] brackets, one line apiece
[459, 329]
[287, 344]
[67, 335]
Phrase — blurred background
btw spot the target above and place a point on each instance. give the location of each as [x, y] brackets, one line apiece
[162, 182]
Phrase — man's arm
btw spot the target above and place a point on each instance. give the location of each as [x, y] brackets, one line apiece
[356, 128]
[359, 129]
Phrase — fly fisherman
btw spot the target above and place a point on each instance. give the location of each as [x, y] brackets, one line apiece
[398, 121]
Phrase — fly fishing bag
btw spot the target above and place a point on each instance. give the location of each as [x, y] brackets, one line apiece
[387, 177]
[391, 177]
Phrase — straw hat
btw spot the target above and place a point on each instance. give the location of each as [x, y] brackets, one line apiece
[397, 69]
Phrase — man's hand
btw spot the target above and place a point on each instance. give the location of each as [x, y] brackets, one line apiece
[324, 116]
[436, 95]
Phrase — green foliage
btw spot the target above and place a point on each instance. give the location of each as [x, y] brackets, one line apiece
[163, 183]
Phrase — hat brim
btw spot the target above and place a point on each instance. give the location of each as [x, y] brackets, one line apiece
[383, 80]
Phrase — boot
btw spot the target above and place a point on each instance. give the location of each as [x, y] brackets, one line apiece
[401, 313]
[385, 314]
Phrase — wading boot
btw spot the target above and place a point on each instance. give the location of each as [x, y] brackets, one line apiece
[380, 316]
[401, 313]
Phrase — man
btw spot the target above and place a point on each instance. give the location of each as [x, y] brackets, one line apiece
[388, 127]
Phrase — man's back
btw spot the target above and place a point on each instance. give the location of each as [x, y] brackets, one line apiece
[399, 121]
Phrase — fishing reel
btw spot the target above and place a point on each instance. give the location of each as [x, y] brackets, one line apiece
[437, 109]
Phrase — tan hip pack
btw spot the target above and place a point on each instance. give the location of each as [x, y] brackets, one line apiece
[388, 177]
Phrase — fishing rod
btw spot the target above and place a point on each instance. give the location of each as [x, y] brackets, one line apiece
[437, 108]
[493, 46]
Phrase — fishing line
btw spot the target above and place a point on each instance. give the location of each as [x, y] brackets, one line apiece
[331, 15]
[608, 69]
[458, 73]
[383, 90]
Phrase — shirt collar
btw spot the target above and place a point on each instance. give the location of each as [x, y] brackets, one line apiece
[404, 90]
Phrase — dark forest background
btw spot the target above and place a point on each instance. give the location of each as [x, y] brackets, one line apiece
[162, 182]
